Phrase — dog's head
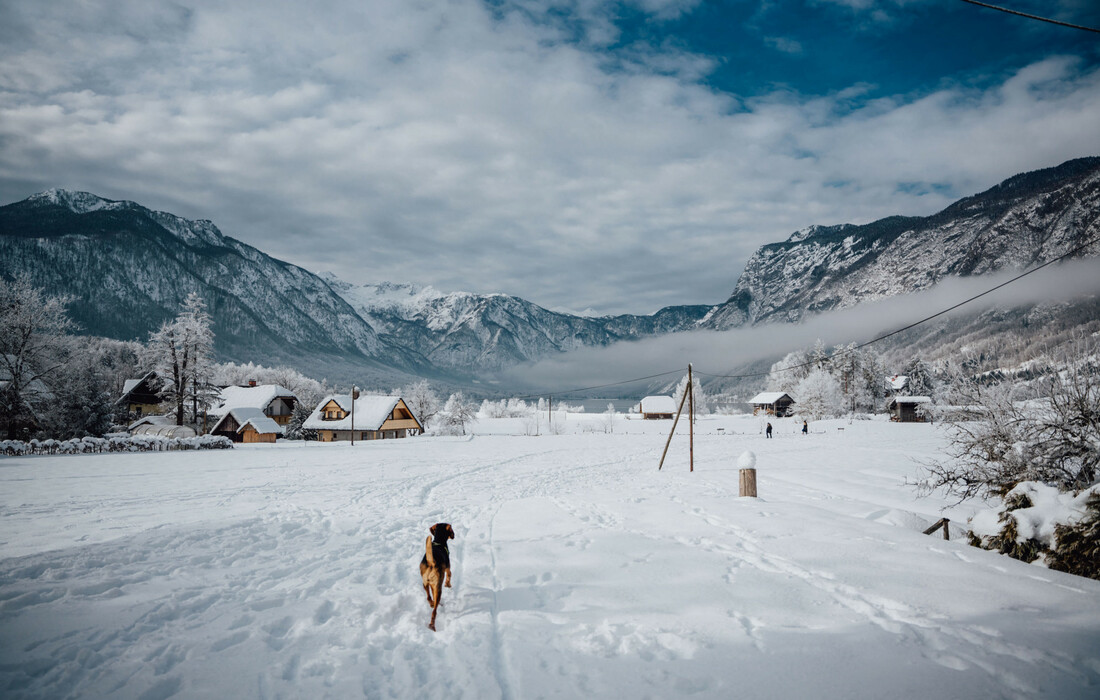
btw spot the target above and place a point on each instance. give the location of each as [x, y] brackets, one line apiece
[442, 532]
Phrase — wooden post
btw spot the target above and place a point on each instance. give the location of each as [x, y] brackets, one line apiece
[748, 483]
[944, 523]
[549, 412]
[691, 423]
[673, 431]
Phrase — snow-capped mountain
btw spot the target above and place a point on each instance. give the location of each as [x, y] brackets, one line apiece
[1027, 219]
[127, 268]
[461, 330]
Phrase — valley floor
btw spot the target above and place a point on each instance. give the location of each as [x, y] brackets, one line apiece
[580, 570]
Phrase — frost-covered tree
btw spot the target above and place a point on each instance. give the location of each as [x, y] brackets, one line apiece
[920, 380]
[422, 401]
[181, 352]
[33, 330]
[81, 402]
[702, 404]
[819, 395]
[457, 412]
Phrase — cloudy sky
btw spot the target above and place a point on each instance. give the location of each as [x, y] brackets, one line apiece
[588, 156]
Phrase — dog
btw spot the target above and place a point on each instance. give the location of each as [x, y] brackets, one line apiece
[435, 567]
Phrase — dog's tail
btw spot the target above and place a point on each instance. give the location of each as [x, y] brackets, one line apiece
[428, 553]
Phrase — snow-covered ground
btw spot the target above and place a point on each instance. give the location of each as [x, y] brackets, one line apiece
[580, 571]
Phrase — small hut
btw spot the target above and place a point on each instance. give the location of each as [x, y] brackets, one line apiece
[772, 403]
[909, 409]
[657, 408]
[247, 425]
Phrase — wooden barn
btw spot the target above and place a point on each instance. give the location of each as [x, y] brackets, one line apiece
[909, 409]
[772, 403]
[374, 418]
[657, 408]
[139, 396]
[247, 425]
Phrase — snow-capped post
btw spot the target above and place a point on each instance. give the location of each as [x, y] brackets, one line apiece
[747, 463]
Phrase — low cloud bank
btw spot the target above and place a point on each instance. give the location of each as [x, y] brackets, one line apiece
[721, 352]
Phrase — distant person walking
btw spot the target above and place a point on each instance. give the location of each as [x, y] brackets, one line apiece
[805, 428]
[768, 430]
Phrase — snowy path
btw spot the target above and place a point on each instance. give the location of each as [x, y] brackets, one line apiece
[579, 571]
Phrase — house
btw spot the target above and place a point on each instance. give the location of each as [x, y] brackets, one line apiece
[772, 403]
[139, 396]
[909, 409]
[247, 424]
[274, 401]
[657, 408]
[374, 418]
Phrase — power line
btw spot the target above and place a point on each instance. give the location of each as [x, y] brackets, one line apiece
[1024, 14]
[915, 323]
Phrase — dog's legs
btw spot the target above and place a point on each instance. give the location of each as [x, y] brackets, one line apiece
[435, 608]
[428, 591]
[448, 584]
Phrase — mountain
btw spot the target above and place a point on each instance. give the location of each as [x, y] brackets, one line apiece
[461, 330]
[127, 269]
[1025, 220]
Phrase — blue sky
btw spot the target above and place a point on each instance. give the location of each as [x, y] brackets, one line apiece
[585, 155]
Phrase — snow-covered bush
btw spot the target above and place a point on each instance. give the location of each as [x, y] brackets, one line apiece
[505, 408]
[1039, 523]
[136, 443]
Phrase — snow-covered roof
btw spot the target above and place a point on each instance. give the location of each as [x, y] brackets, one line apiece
[166, 419]
[769, 397]
[250, 415]
[658, 404]
[371, 412]
[249, 397]
[897, 382]
[171, 431]
[911, 399]
[129, 385]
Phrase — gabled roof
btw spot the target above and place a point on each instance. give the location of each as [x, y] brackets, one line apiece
[249, 397]
[911, 399]
[371, 412]
[769, 397]
[249, 415]
[658, 404]
[130, 385]
[166, 419]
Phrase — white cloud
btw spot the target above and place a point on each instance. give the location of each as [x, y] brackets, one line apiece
[441, 144]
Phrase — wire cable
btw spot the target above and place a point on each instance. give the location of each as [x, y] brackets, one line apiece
[1024, 14]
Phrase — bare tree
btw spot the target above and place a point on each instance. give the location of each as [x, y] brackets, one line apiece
[1002, 442]
[181, 353]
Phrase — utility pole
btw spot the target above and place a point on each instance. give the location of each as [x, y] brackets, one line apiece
[549, 412]
[354, 396]
[691, 422]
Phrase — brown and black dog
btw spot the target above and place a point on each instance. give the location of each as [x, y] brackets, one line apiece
[435, 567]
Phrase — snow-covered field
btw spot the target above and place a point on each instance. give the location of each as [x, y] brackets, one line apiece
[580, 571]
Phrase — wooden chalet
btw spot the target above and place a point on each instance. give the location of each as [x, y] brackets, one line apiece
[274, 401]
[247, 425]
[140, 395]
[374, 418]
[909, 409]
[772, 403]
[657, 408]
